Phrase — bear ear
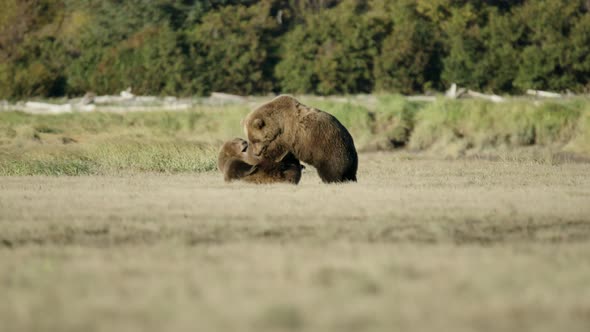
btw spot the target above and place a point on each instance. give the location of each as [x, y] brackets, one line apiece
[258, 123]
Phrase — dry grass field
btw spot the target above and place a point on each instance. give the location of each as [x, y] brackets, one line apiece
[419, 244]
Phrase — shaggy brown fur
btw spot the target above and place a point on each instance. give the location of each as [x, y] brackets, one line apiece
[284, 126]
[231, 163]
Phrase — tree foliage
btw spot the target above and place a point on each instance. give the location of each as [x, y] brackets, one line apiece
[232, 50]
[187, 47]
[332, 52]
[409, 59]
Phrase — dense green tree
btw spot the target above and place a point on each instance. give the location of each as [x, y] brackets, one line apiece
[119, 44]
[148, 61]
[232, 50]
[37, 68]
[331, 53]
[32, 62]
[497, 64]
[464, 45]
[579, 54]
[554, 46]
[186, 47]
[409, 57]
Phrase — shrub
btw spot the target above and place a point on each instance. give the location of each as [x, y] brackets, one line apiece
[232, 50]
[331, 53]
[409, 60]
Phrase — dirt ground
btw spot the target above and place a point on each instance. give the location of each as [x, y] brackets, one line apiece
[416, 245]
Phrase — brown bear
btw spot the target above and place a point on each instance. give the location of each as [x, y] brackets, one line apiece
[231, 163]
[284, 126]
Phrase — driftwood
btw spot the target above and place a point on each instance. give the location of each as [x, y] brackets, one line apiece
[134, 108]
[127, 94]
[453, 92]
[227, 97]
[543, 94]
[88, 98]
[46, 108]
[145, 99]
[110, 99]
[124, 96]
[494, 98]
[128, 102]
[421, 98]
[37, 107]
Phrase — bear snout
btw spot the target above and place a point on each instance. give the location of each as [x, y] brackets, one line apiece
[257, 149]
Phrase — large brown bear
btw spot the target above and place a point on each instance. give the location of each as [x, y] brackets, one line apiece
[284, 126]
[231, 163]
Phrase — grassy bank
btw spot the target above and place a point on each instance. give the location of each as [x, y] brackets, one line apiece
[416, 245]
[176, 142]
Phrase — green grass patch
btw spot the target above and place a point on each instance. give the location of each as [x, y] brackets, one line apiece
[48, 165]
[111, 157]
[478, 125]
[177, 142]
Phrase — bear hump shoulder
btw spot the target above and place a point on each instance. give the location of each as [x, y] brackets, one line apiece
[281, 102]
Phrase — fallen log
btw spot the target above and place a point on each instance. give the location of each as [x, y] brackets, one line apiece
[46, 108]
[421, 98]
[493, 98]
[543, 94]
[37, 107]
[134, 108]
[127, 94]
[109, 99]
[227, 97]
[453, 92]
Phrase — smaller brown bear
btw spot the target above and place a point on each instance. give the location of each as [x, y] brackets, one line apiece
[231, 163]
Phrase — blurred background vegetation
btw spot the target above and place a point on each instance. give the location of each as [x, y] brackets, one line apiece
[108, 143]
[186, 47]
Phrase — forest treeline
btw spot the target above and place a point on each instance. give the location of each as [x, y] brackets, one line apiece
[193, 47]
